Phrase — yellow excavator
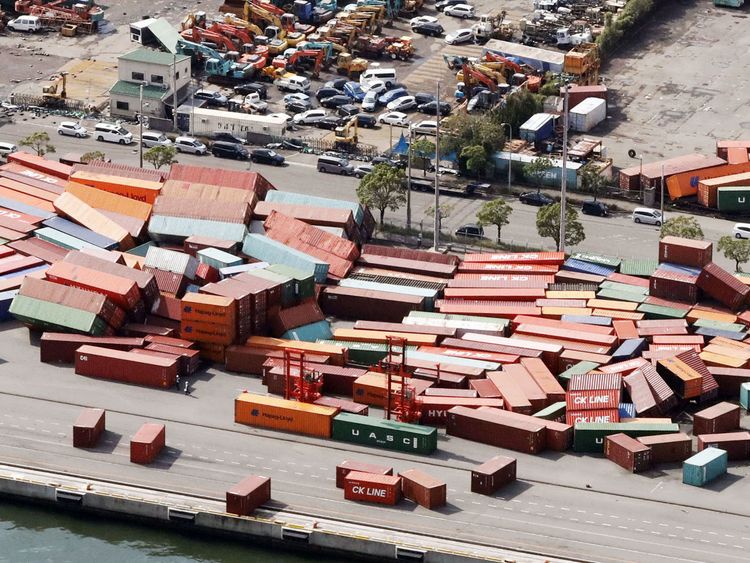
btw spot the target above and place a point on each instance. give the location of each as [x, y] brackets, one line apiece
[56, 92]
[345, 136]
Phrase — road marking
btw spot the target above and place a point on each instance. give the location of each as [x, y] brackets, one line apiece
[507, 508]
[581, 511]
[188, 455]
[330, 479]
[226, 452]
[597, 514]
[244, 455]
[452, 490]
[203, 458]
[645, 521]
[219, 460]
[275, 460]
[639, 530]
[267, 468]
[696, 530]
[323, 468]
[234, 462]
[663, 525]
[514, 500]
[573, 519]
[475, 502]
[606, 524]
[613, 516]
[656, 533]
[46, 431]
[720, 543]
[315, 476]
[492, 505]
[704, 541]
[548, 506]
[671, 536]
[712, 534]
[258, 457]
[689, 538]
[459, 500]
[291, 463]
[623, 527]
[249, 465]
[738, 546]
[298, 473]
[565, 509]
[532, 503]
[727, 536]
[588, 522]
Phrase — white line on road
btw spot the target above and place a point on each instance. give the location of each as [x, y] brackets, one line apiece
[219, 460]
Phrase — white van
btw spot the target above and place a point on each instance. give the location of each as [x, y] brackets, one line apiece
[31, 24]
[6, 149]
[387, 75]
[647, 215]
[294, 83]
[152, 139]
[112, 133]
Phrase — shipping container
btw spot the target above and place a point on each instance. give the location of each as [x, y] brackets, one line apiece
[146, 444]
[434, 410]
[248, 495]
[538, 127]
[88, 428]
[627, 452]
[370, 487]
[133, 188]
[668, 448]
[407, 266]
[118, 365]
[718, 419]
[122, 291]
[372, 388]
[588, 114]
[500, 429]
[43, 315]
[274, 252]
[689, 252]
[344, 468]
[722, 286]
[732, 199]
[105, 201]
[489, 477]
[279, 414]
[589, 437]
[82, 213]
[388, 434]
[425, 490]
[598, 416]
[345, 302]
[40, 164]
[704, 467]
[544, 379]
[57, 347]
[644, 402]
[171, 261]
[735, 444]
[745, 396]
[555, 412]
[237, 179]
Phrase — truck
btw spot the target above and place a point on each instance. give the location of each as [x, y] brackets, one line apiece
[203, 121]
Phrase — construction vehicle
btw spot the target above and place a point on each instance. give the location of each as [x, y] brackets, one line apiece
[55, 94]
[199, 35]
[472, 77]
[236, 34]
[248, 26]
[492, 26]
[400, 48]
[345, 136]
[312, 13]
[307, 58]
[220, 70]
[250, 103]
[570, 36]
[457, 61]
[368, 46]
[583, 61]
[255, 56]
[84, 15]
[350, 66]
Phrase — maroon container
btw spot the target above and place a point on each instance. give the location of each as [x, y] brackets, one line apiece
[344, 468]
[485, 388]
[423, 489]
[248, 495]
[169, 282]
[195, 243]
[677, 250]
[407, 266]
[343, 405]
[730, 380]
[169, 341]
[674, 285]
[665, 397]
[175, 206]
[599, 416]
[410, 254]
[717, 419]
[627, 452]
[490, 347]
[337, 380]
[88, 428]
[147, 443]
[513, 395]
[719, 284]
[59, 347]
[94, 361]
[736, 444]
[435, 409]
[293, 317]
[189, 357]
[493, 474]
[528, 385]
[640, 394]
[500, 429]
[369, 487]
[668, 448]
[353, 303]
[558, 436]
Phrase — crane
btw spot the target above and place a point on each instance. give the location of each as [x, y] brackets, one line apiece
[401, 400]
[300, 383]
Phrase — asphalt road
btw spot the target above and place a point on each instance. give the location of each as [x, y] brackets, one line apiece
[567, 505]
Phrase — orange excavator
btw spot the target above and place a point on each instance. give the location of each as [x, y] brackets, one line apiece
[303, 58]
[238, 35]
[200, 35]
[472, 77]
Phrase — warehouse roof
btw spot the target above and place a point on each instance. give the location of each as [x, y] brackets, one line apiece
[131, 89]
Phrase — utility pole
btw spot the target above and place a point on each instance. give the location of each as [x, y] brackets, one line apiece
[140, 125]
[436, 225]
[174, 91]
[408, 181]
[662, 195]
[564, 182]
[510, 153]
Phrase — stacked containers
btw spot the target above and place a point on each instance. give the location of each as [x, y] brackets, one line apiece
[677, 250]
[208, 319]
[593, 397]
[343, 469]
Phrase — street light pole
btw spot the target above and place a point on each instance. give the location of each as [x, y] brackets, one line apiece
[564, 180]
[436, 225]
[662, 195]
[510, 153]
[408, 181]
[140, 125]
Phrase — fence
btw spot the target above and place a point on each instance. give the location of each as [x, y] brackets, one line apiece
[49, 104]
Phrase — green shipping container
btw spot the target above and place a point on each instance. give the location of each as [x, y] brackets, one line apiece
[217, 258]
[659, 312]
[44, 315]
[364, 353]
[287, 285]
[641, 268]
[624, 287]
[388, 434]
[601, 259]
[719, 325]
[141, 250]
[619, 295]
[580, 367]
[745, 396]
[552, 412]
[304, 282]
[589, 436]
[733, 199]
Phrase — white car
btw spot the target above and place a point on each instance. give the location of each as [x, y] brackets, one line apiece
[309, 117]
[422, 19]
[647, 215]
[426, 127]
[459, 36]
[295, 97]
[370, 102]
[402, 104]
[394, 118]
[190, 145]
[152, 139]
[72, 129]
[741, 230]
[286, 116]
[464, 11]
[377, 86]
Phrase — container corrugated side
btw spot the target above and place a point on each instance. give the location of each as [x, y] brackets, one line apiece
[589, 437]
[44, 315]
[177, 229]
[274, 252]
[316, 201]
[280, 414]
[704, 467]
[387, 434]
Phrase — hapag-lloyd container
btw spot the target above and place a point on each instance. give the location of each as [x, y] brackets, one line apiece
[387, 434]
[668, 448]
[369, 487]
[704, 467]
[248, 495]
[487, 478]
[696, 253]
[344, 468]
[589, 437]
[500, 429]
[280, 414]
[94, 361]
[718, 419]
[627, 452]
[425, 490]
[147, 443]
[88, 428]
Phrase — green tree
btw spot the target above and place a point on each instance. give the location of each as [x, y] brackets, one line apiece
[476, 159]
[382, 189]
[160, 155]
[445, 211]
[682, 226]
[422, 152]
[735, 249]
[548, 225]
[92, 155]
[496, 212]
[536, 170]
[592, 180]
[38, 141]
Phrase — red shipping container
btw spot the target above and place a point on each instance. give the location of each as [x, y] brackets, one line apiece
[596, 416]
[544, 379]
[623, 368]
[147, 443]
[592, 400]
[41, 164]
[190, 356]
[493, 294]
[88, 428]
[716, 282]
[588, 381]
[677, 250]
[123, 292]
[730, 380]
[470, 354]
[368, 487]
[349, 302]
[718, 419]
[640, 394]
[493, 474]
[628, 280]
[248, 495]
[410, 254]
[562, 325]
[435, 409]
[668, 448]
[569, 276]
[555, 258]
[736, 444]
[485, 388]
[237, 179]
[523, 379]
[668, 284]
[343, 405]
[448, 392]
[558, 436]
[458, 343]
[59, 347]
[344, 468]
[423, 489]
[501, 429]
[625, 329]
[94, 361]
[514, 398]
[144, 330]
[627, 452]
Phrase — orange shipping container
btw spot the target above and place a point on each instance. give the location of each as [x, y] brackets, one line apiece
[708, 189]
[686, 183]
[190, 190]
[353, 335]
[280, 414]
[338, 354]
[371, 388]
[612, 314]
[43, 204]
[206, 308]
[544, 379]
[610, 304]
[210, 333]
[70, 206]
[123, 292]
[139, 190]
[99, 199]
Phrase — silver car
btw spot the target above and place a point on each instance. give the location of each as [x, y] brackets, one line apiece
[72, 129]
[155, 139]
[647, 215]
[190, 145]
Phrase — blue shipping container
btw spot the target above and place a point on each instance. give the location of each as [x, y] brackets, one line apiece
[704, 467]
[745, 396]
[81, 233]
[320, 330]
[166, 229]
[679, 269]
[23, 208]
[587, 320]
[6, 298]
[588, 268]
[62, 239]
[712, 332]
[538, 127]
[274, 252]
[629, 349]
[627, 410]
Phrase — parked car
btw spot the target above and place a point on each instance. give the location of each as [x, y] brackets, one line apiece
[366, 121]
[31, 24]
[212, 97]
[327, 92]
[309, 117]
[464, 11]
[337, 83]
[441, 5]
[370, 102]
[387, 160]
[426, 127]
[423, 19]
[298, 106]
[226, 136]
[329, 122]
[391, 95]
[431, 108]
[221, 149]
[536, 198]
[431, 29]
[293, 83]
[377, 86]
[6, 149]
[250, 87]
[267, 156]
[470, 231]
[296, 97]
[72, 129]
[424, 98]
[151, 139]
[190, 145]
[334, 165]
[363, 170]
[402, 104]
[741, 230]
[347, 110]
[335, 101]
[354, 91]
[112, 133]
[459, 36]
[595, 208]
[394, 118]
[647, 215]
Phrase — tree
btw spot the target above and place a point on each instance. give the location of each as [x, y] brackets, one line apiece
[445, 211]
[38, 141]
[160, 155]
[382, 189]
[476, 159]
[682, 226]
[536, 170]
[735, 249]
[92, 156]
[591, 179]
[548, 225]
[496, 212]
[422, 150]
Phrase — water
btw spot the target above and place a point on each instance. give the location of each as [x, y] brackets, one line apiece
[30, 534]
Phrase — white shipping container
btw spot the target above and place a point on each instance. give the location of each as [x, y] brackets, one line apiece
[203, 121]
[588, 114]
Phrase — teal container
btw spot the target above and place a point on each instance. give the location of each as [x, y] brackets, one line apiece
[553, 412]
[62, 239]
[580, 367]
[745, 396]
[640, 268]
[304, 283]
[468, 362]
[363, 353]
[44, 315]
[619, 295]
[320, 330]
[589, 436]
[217, 258]
[288, 293]
[719, 325]
[176, 229]
[303, 199]
[141, 250]
[268, 250]
[600, 259]
[659, 312]
[388, 434]
[704, 467]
